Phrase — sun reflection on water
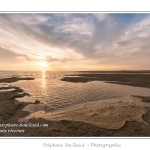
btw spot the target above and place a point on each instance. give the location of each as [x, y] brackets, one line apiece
[43, 77]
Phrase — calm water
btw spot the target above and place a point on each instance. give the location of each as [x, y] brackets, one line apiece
[55, 94]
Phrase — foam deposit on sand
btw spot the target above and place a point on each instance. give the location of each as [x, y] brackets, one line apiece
[107, 114]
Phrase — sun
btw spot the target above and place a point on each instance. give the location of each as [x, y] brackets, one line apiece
[42, 63]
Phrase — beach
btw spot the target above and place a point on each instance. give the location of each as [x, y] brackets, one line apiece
[128, 116]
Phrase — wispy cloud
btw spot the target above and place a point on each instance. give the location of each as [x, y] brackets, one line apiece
[100, 39]
[12, 57]
[77, 26]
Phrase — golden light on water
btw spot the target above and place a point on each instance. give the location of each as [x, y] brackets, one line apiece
[43, 86]
[43, 77]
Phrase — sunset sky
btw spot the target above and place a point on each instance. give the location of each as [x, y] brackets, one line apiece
[74, 41]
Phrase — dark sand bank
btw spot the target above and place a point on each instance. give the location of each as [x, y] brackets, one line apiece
[119, 71]
[13, 79]
[10, 109]
[11, 112]
[134, 79]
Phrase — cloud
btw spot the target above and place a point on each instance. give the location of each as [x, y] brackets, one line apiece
[136, 39]
[107, 39]
[9, 56]
[78, 26]
[100, 16]
[45, 34]
[56, 60]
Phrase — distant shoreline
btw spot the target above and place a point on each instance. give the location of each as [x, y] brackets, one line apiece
[87, 71]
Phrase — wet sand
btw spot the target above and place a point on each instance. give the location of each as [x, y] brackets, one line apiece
[13, 79]
[128, 78]
[126, 117]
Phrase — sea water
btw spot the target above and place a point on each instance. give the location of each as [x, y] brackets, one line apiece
[55, 94]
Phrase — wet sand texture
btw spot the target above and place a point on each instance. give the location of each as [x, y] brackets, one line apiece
[13, 79]
[132, 116]
[141, 80]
